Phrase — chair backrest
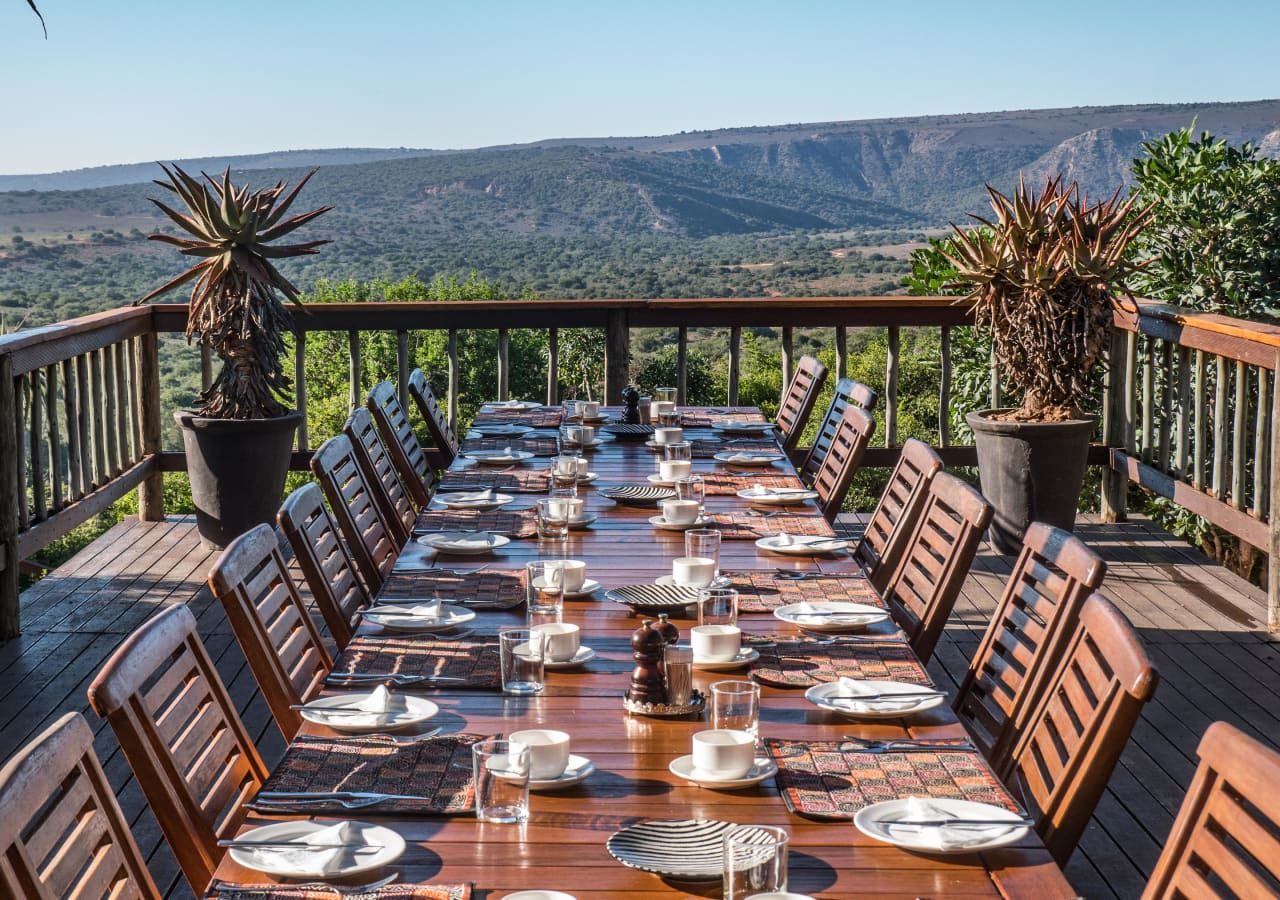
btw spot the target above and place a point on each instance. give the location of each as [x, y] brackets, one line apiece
[180, 732]
[893, 519]
[285, 653]
[62, 834]
[842, 459]
[935, 560]
[848, 392]
[1224, 841]
[1022, 646]
[325, 562]
[1065, 756]
[355, 509]
[406, 452]
[799, 399]
[442, 437]
[380, 473]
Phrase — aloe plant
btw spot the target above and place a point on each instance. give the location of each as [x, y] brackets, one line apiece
[35, 9]
[1044, 276]
[235, 308]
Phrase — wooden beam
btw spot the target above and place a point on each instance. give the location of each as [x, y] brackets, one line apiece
[682, 365]
[553, 366]
[151, 488]
[617, 356]
[10, 486]
[944, 387]
[300, 386]
[1273, 525]
[46, 532]
[891, 387]
[735, 364]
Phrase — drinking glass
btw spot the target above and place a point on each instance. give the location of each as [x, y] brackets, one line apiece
[521, 657]
[570, 409]
[551, 520]
[665, 394]
[677, 665]
[717, 606]
[736, 705]
[678, 450]
[704, 543]
[501, 770]
[564, 469]
[669, 419]
[755, 860]
[544, 593]
[693, 487]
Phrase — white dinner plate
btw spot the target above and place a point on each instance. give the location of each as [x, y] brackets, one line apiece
[660, 521]
[801, 545]
[743, 427]
[744, 657]
[501, 430]
[474, 500]
[776, 497]
[510, 404]
[748, 458]
[390, 845]
[497, 457]
[417, 710]
[682, 767]
[850, 616]
[875, 709]
[464, 543]
[589, 587]
[450, 617]
[878, 821]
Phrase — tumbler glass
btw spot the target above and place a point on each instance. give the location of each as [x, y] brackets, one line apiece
[693, 487]
[736, 705]
[564, 469]
[551, 520]
[704, 543]
[501, 770]
[717, 606]
[544, 589]
[665, 394]
[521, 658]
[755, 861]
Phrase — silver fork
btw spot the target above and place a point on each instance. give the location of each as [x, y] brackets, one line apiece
[339, 890]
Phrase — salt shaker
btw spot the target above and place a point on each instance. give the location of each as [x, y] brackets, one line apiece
[678, 662]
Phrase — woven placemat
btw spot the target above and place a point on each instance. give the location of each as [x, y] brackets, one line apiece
[797, 662]
[705, 418]
[542, 417]
[763, 592]
[706, 448]
[473, 659]
[725, 484]
[224, 891]
[750, 525]
[477, 478]
[538, 446]
[833, 779]
[436, 769]
[516, 523]
[488, 589]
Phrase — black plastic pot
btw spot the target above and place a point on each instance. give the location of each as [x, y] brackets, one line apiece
[1030, 471]
[237, 470]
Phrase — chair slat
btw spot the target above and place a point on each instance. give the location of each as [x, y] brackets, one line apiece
[798, 400]
[891, 523]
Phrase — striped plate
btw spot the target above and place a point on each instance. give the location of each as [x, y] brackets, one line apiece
[690, 849]
[653, 597]
[638, 494]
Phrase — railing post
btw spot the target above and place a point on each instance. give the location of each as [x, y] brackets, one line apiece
[735, 364]
[453, 378]
[617, 356]
[891, 387]
[353, 358]
[1273, 557]
[553, 366]
[682, 365]
[402, 367]
[944, 388]
[1114, 483]
[504, 363]
[300, 386]
[842, 352]
[788, 354]
[151, 490]
[10, 485]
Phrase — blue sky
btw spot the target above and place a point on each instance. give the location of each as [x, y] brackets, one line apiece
[136, 80]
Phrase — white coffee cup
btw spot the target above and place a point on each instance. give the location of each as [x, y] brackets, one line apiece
[693, 571]
[671, 469]
[668, 435]
[573, 571]
[721, 752]
[548, 751]
[715, 643]
[569, 507]
[584, 466]
[567, 466]
[560, 640]
[589, 409]
[680, 512]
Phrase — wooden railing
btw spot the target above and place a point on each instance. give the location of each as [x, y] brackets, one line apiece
[1188, 411]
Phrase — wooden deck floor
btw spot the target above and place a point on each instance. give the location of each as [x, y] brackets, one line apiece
[1201, 625]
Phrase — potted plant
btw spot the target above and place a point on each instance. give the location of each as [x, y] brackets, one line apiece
[1043, 276]
[239, 440]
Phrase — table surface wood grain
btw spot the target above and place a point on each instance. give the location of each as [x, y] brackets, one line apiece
[562, 847]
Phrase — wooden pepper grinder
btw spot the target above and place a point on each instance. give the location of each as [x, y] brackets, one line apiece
[670, 633]
[630, 406]
[648, 684]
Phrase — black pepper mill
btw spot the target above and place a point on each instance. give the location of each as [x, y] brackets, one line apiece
[648, 684]
[630, 406]
[670, 633]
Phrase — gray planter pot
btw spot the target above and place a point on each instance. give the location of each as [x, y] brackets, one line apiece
[237, 470]
[1030, 471]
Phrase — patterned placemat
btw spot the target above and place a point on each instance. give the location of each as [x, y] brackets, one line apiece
[833, 779]
[473, 659]
[725, 484]
[791, 662]
[488, 589]
[224, 891]
[437, 770]
[477, 478]
[542, 417]
[750, 525]
[538, 446]
[763, 592]
[516, 523]
[705, 418]
[706, 448]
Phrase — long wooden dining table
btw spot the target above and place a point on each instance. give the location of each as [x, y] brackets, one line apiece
[562, 846]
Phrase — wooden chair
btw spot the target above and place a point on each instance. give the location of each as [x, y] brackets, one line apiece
[1065, 756]
[285, 653]
[325, 562]
[1224, 842]
[180, 732]
[799, 399]
[1032, 624]
[380, 474]
[842, 459]
[935, 560]
[893, 519]
[848, 392]
[368, 536]
[445, 443]
[406, 452]
[62, 834]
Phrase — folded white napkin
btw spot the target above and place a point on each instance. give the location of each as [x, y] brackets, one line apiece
[314, 862]
[382, 706]
[487, 494]
[941, 837]
[429, 609]
[848, 686]
[791, 540]
[809, 612]
[750, 457]
[466, 540]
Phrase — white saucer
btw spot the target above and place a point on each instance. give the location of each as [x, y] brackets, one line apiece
[450, 617]
[588, 478]
[660, 521]
[589, 587]
[584, 655]
[577, 771]
[852, 616]
[763, 458]
[447, 501]
[876, 821]
[775, 498]
[756, 428]
[746, 656]
[655, 478]
[583, 522]
[875, 709]
[593, 444]
[418, 710]
[497, 457]
[669, 581]
[452, 542]
[392, 846]
[800, 548]
[538, 895]
[500, 430]
[682, 767]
